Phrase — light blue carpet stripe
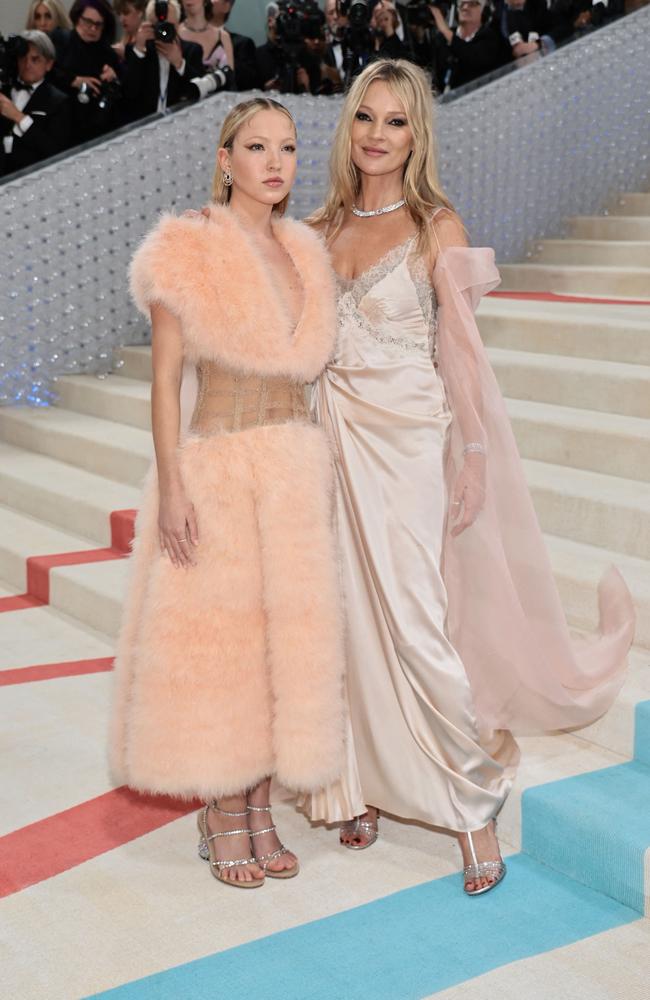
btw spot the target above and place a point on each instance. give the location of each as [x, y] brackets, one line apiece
[642, 733]
[403, 947]
[594, 828]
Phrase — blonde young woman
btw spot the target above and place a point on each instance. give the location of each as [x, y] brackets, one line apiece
[229, 664]
[455, 633]
[46, 15]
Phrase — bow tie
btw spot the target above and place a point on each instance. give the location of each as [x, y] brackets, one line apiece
[24, 86]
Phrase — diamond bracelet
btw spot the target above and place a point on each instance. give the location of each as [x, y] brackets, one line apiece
[474, 446]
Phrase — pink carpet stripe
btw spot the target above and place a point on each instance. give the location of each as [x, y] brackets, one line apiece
[38, 567]
[557, 297]
[19, 603]
[49, 671]
[69, 838]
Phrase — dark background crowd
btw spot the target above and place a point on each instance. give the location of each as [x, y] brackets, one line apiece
[79, 72]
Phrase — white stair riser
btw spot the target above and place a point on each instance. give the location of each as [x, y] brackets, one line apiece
[593, 520]
[601, 253]
[93, 400]
[584, 339]
[608, 283]
[13, 569]
[582, 448]
[84, 517]
[629, 396]
[103, 458]
[609, 227]
[136, 363]
[85, 604]
[633, 203]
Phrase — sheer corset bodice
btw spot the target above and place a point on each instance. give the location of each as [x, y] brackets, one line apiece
[227, 402]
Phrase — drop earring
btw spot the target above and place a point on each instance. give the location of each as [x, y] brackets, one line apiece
[227, 177]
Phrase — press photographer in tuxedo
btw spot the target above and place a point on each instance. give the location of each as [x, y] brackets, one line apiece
[157, 73]
[34, 115]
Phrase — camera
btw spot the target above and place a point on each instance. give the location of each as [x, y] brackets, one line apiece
[356, 39]
[219, 79]
[163, 30]
[12, 49]
[298, 19]
[418, 14]
[110, 92]
[356, 12]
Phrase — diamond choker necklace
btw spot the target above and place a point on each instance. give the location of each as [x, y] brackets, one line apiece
[378, 211]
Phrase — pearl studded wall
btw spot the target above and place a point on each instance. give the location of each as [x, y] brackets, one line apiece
[555, 138]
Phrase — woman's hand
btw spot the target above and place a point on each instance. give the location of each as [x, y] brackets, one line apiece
[177, 527]
[469, 493]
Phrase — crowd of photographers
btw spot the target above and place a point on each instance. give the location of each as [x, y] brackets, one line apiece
[65, 80]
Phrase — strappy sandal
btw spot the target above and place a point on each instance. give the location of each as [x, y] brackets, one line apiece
[264, 859]
[482, 869]
[354, 827]
[207, 848]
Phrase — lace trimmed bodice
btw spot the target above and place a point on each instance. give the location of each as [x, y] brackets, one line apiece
[389, 311]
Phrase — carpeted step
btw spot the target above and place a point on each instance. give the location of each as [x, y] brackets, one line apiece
[125, 400]
[610, 227]
[92, 593]
[62, 495]
[134, 363]
[611, 443]
[616, 282]
[22, 537]
[612, 333]
[594, 828]
[604, 253]
[631, 203]
[585, 383]
[577, 568]
[103, 447]
[591, 507]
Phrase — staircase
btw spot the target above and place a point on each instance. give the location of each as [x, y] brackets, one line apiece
[576, 376]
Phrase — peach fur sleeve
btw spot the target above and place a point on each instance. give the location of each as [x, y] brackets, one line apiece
[505, 616]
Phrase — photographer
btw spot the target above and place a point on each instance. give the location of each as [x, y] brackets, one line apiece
[87, 69]
[160, 65]
[35, 116]
[285, 62]
[476, 46]
[385, 24]
[130, 14]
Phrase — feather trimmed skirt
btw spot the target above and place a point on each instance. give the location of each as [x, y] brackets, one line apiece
[232, 670]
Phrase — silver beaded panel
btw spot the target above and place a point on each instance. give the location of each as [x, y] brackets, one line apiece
[556, 138]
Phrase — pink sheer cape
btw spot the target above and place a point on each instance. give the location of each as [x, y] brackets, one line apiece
[505, 617]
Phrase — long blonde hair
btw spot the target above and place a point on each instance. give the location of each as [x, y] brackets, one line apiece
[56, 9]
[423, 192]
[236, 117]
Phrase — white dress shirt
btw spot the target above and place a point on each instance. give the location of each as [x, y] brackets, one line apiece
[164, 67]
[20, 97]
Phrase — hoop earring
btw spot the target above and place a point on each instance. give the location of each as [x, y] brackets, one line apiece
[227, 177]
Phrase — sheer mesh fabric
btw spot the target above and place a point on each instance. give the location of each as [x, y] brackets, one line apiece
[227, 402]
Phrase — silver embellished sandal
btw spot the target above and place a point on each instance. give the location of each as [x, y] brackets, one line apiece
[477, 870]
[207, 848]
[354, 827]
[265, 859]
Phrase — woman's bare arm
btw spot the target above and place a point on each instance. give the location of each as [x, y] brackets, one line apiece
[177, 519]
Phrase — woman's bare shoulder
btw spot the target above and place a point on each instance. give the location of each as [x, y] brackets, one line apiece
[448, 229]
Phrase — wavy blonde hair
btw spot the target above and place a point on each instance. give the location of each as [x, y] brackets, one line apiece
[233, 121]
[56, 9]
[422, 188]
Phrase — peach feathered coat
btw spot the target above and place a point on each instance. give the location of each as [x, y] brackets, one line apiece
[232, 670]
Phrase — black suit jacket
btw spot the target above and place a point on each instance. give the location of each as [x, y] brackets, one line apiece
[49, 133]
[245, 62]
[141, 80]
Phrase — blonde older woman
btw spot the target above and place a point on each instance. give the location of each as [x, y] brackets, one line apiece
[455, 633]
[46, 15]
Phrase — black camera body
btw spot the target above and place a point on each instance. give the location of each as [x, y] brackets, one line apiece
[12, 49]
[418, 14]
[297, 20]
[163, 30]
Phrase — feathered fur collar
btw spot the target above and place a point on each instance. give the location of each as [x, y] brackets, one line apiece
[210, 274]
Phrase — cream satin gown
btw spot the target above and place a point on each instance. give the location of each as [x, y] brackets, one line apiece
[414, 747]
